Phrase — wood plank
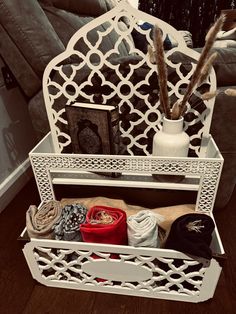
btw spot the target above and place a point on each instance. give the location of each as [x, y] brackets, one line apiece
[16, 283]
[56, 300]
[106, 304]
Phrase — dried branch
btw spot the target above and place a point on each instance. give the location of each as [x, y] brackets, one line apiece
[175, 112]
[230, 92]
[205, 96]
[206, 68]
[162, 71]
[210, 38]
[151, 55]
[208, 95]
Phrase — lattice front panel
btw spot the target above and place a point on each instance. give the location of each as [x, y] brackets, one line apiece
[123, 75]
[66, 265]
[208, 169]
[125, 271]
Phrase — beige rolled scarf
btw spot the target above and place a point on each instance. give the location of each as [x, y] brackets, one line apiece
[39, 222]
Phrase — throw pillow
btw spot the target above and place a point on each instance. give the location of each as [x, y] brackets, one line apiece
[140, 40]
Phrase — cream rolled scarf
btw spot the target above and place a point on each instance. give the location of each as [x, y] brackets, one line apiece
[143, 229]
[39, 222]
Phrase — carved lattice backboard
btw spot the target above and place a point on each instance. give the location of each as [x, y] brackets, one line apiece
[128, 80]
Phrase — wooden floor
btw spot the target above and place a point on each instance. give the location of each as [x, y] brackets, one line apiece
[19, 293]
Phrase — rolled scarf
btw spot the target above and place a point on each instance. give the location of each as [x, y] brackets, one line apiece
[105, 225]
[68, 227]
[143, 229]
[170, 213]
[191, 234]
[39, 222]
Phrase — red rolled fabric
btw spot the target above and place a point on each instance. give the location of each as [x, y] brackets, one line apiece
[114, 232]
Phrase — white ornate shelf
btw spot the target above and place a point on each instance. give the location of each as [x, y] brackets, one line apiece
[153, 273]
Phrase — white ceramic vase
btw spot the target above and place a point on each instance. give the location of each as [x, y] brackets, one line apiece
[171, 140]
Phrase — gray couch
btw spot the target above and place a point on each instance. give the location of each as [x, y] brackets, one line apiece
[33, 32]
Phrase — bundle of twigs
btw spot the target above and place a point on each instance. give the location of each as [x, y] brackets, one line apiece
[200, 73]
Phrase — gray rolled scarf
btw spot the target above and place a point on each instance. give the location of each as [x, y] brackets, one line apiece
[68, 227]
[143, 229]
[39, 221]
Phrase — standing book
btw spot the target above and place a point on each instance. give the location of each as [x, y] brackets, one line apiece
[94, 129]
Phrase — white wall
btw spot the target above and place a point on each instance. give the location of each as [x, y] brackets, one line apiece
[16, 134]
[17, 138]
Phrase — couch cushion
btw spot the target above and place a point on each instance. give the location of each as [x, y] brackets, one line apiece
[23, 72]
[223, 131]
[225, 66]
[30, 30]
[38, 115]
[86, 7]
[66, 24]
[223, 126]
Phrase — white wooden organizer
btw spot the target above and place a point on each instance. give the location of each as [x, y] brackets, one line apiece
[136, 271]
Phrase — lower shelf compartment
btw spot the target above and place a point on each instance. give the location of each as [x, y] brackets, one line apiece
[146, 272]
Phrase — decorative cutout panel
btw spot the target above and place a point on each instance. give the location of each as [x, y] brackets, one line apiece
[155, 273]
[89, 71]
